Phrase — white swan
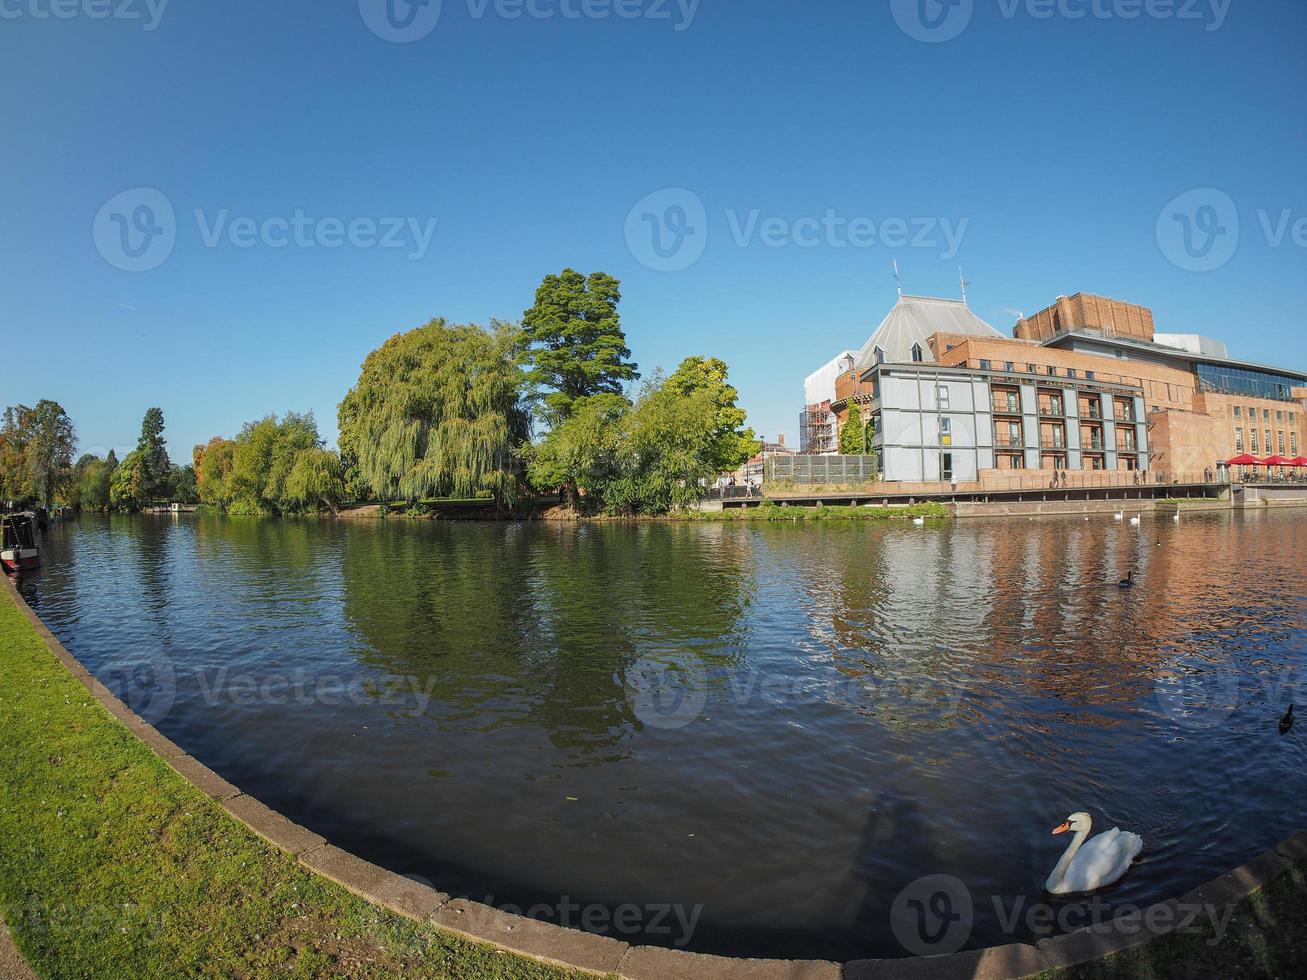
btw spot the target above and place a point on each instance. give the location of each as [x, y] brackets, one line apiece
[1095, 865]
[1135, 520]
[1118, 516]
[1176, 518]
[919, 521]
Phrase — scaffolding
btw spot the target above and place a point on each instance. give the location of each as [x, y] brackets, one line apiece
[818, 429]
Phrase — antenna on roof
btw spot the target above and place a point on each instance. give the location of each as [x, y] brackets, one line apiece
[898, 277]
[965, 284]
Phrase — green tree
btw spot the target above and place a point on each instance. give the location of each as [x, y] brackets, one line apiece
[128, 484]
[732, 444]
[315, 480]
[652, 457]
[669, 451]
[855, 438]
[90, 483]
[577, 348]
[36, 451]
[182, 487]
[438, 412]
[263, 457]
[153, 467]
[213, 463]
[582, 452]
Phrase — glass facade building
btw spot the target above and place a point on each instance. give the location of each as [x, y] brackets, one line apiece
[1228, 380]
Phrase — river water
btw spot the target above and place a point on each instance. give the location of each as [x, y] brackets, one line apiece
[745, 739]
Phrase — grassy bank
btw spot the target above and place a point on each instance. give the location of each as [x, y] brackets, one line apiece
[112, 865]
[1266, 938]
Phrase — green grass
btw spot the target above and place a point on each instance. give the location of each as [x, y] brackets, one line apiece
[1266, 938]
[771, 511]
[112, 865]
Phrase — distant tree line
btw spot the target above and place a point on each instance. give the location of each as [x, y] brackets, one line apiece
[36, 464]
[553, 404]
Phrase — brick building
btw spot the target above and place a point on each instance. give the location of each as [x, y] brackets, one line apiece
[1084, 385]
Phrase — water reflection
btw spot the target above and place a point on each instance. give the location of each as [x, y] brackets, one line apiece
[867, 704]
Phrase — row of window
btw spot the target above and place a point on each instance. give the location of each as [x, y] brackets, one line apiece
[1014, 461]
[1009, 403]
[1252, 433]
[1055, 438]
[1266, 414]
[1050, 370]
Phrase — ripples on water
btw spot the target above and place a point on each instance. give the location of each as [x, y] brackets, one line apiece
[875, 703]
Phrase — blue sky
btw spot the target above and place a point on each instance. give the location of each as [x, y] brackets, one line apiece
[1038, 149]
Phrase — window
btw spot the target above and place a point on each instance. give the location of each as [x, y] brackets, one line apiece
[1291, 418]
[1032, 369]
[1237, 412]
[1089, 375]
[945, 431]
[941, 394]
[1266, 414]
[880, 356]
[917, 355]
[1009, 367]
[1252, 434]
[1293, 444]
[1052, 371]
[1279, 416]
[1268, 440]
[1280, 440]
[1238, 441]
[1070, 372]
[1252, 412]
[949, 347]
[946, 466]
[984, 365]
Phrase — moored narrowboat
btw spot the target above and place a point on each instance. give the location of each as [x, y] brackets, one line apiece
[20, 542]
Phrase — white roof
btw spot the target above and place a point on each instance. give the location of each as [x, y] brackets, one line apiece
[819, 386]
[915, 318]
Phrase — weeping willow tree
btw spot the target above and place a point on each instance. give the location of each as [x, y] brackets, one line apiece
[438, 412]
[315, 479]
